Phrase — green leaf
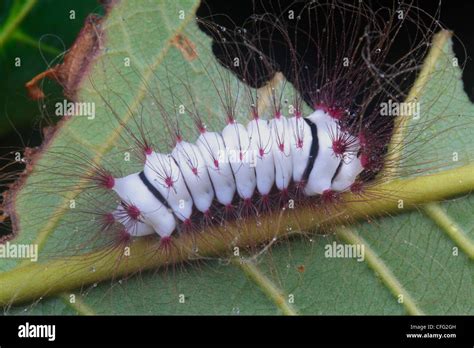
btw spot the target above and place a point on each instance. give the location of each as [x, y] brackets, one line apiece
[410, 263]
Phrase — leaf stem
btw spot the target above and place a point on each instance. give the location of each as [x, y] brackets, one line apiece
[376, 263]
[429, 66]
[51, 277]
[78, 305]
[455, 232]
[266, 285]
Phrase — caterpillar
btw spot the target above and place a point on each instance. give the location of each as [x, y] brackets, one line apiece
[298, 149]
[190, 158]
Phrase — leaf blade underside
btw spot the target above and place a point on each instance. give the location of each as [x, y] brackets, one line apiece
[414, 250]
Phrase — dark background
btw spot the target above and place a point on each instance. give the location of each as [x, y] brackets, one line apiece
[48, 24]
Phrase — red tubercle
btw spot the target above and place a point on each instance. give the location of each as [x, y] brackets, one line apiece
[148, 151]
[107, 220]
[261, 152]
[103, 178]
[165, 243]
[328, 196]
[339, 146]
[124, 236]
[133, 212]
[230, 119]
[336, 113]
[322, 107]
[247, 202]
[357, 187]
[187, 225]
[201, 128]
[265, 202]
[255, 115]
[247, 207]
[169, 181]
[229, 208]
[109, 182]
[299, 185]
[370, 161]
[299, 143]
[362, 139]
[364, 161]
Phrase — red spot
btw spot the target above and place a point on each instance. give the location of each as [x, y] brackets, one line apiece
[299, 143]
[194, 170]
[107, 221]
[265, 198]
[247, 202]
[370, 161]
[321, 106]
[165, 242]
[362, 139]
[357, 187]
[277, 114]
[281, 146]
[300, 184]
[336, 113]
[169, 181]
[216, 163]
[187, 224]
[124, 236]
[241, 156]
[148, 151]
[255, 113]
[109, 218]
[230, 119]
[297, 113]
[328, 196]
[202, 128]
[261, 152]
[339, 146]
[284, 193]
[179, 138]
[133, 212]
[229, 207]
[365, 161]
[109, 182]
